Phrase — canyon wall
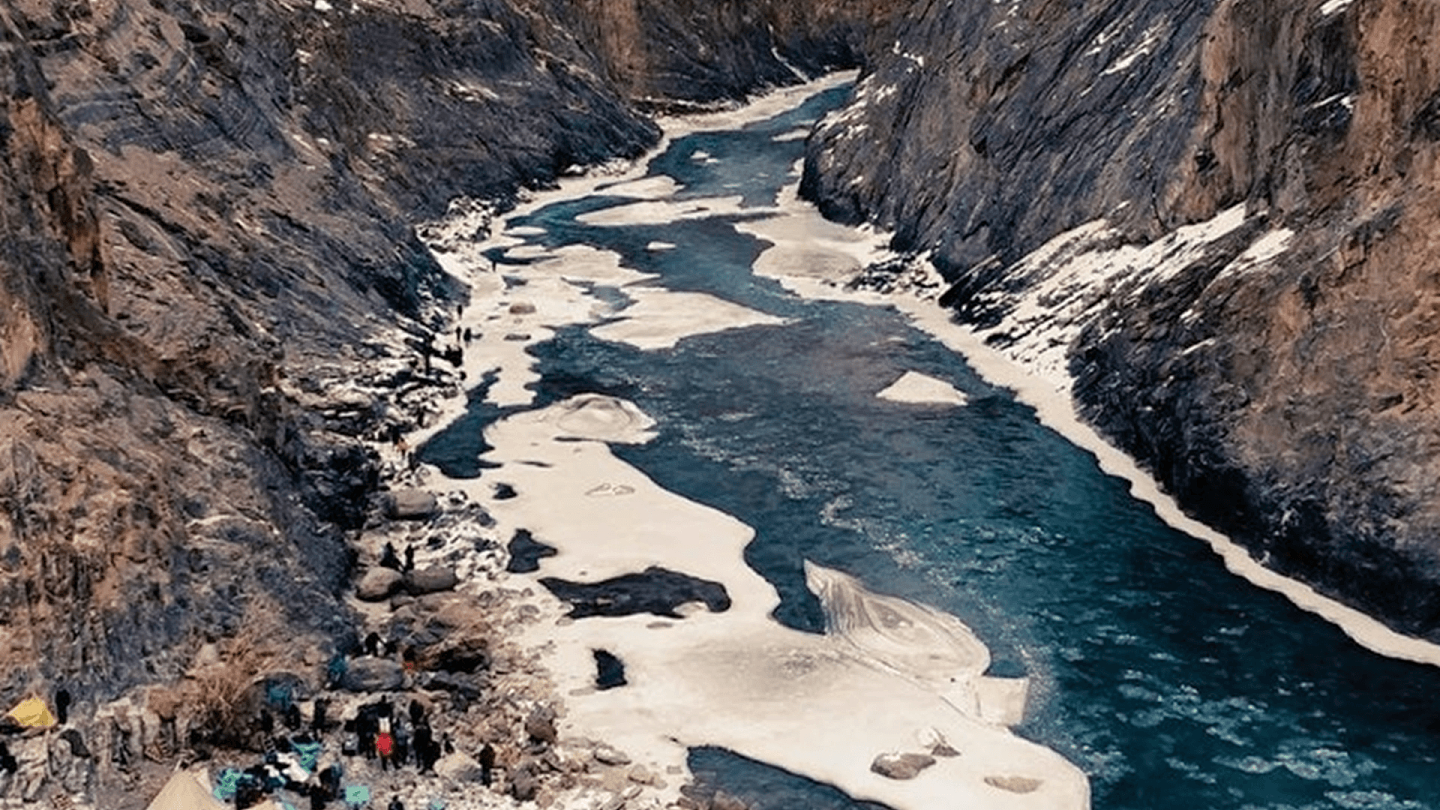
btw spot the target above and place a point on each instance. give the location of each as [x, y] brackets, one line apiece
[213, 300]
[1249, 188]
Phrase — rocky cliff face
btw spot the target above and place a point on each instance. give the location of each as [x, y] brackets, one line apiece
[671, 54]
[1223, 211]
[212, 297]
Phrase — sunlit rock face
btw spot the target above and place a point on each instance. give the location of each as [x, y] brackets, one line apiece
[1219, 216]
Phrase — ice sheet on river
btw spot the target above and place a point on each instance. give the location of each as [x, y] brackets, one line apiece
[660, 318]
[890, 677]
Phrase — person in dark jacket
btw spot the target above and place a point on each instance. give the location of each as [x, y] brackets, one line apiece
[388, 557]
[487, 764]
[62, 705]
[318, 719]
[426, 751]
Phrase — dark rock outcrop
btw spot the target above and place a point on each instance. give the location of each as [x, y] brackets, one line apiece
[901, 765]
[1283, 394]
[670, 54]
[655, 590]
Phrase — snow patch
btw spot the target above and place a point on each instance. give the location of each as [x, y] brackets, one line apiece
[1263, 250]
[1147, 44]
[1073, 276]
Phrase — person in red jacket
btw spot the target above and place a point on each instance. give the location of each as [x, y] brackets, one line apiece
[385, 743]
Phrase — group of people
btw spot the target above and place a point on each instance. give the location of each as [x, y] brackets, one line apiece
[389, 559]
[379, 732]
[294, 760]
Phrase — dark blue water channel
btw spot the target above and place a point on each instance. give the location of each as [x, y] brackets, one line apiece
[1169, 681]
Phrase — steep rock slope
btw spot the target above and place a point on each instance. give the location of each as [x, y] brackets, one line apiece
[1219, 216]
[212, 298]
[676, 53]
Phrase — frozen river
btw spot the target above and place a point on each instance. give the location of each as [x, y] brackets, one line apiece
[1165, 679]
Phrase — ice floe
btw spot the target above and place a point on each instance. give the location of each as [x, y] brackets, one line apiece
[660, 318]
[645, 188]
[917, 388]
[664, 211]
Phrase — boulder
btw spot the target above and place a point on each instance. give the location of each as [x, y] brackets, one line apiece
[373, 675]
[901, 766]
[606, 755]
[459, 767]
[540, 725]
[378, 583]
[411, 504]
[523, 782]
[431, 580]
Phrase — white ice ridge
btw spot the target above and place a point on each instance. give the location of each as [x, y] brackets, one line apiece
[891, 677]
[917, 388]
[662, 211]
[919, 643]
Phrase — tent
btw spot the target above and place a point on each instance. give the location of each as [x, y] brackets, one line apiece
[185, 792]
[32, 713]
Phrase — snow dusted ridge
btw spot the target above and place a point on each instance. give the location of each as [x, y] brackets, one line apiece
[1058, 289]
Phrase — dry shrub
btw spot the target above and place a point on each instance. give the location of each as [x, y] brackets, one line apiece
[219, 694]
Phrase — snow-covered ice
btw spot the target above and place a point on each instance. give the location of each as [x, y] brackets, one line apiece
[914, 387]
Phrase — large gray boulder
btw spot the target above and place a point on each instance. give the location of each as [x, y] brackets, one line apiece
[459, 767]
[431, 580]
[411, 504]
[373, 675]
[378, 583]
